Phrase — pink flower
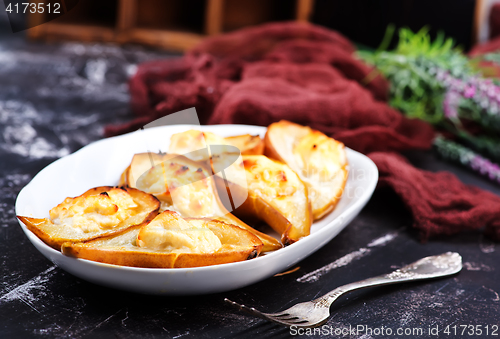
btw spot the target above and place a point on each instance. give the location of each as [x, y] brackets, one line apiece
[450, 104]
[469, 92]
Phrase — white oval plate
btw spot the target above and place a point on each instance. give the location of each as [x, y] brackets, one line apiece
[102, 162]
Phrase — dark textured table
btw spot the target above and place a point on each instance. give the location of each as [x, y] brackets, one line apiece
[54, 99]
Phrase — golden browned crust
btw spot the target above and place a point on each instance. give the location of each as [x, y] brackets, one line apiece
[237, 245]
[247, 144]
[270, 243]
[46, 230]
[268, 210]
[277, 151]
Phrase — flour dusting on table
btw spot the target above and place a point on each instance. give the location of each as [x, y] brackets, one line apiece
[25, 292]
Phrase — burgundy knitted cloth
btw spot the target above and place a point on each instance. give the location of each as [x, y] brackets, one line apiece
[319, 96]
[203, 76]
[439, 202]
[307, 74]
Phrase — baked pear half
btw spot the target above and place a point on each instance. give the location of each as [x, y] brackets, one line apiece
[194, 144]
[276, 195]
[140, 163]
[320, 161]
[98, 212]
[188, 187]
[221, 155]
[199, 146]
[247, 144]
[169, 241]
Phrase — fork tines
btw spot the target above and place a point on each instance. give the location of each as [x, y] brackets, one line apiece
[250, 310]
[282, 318]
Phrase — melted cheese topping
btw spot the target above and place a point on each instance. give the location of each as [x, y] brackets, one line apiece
[153, 181]
[268, 178]
[169, 232]
[190, 187]
[319, 156]
[194, 200]
[95, 212]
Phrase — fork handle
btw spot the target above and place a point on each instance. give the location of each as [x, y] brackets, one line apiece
[425, 268]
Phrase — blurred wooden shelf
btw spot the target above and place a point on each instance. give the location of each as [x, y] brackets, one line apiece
[62, 31]
[169, 24]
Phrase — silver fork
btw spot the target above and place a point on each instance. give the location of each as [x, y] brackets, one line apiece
[316, 312]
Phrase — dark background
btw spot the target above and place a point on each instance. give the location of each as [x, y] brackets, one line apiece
[365, 21]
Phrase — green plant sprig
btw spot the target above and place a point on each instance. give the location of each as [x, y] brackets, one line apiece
[411, 69]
